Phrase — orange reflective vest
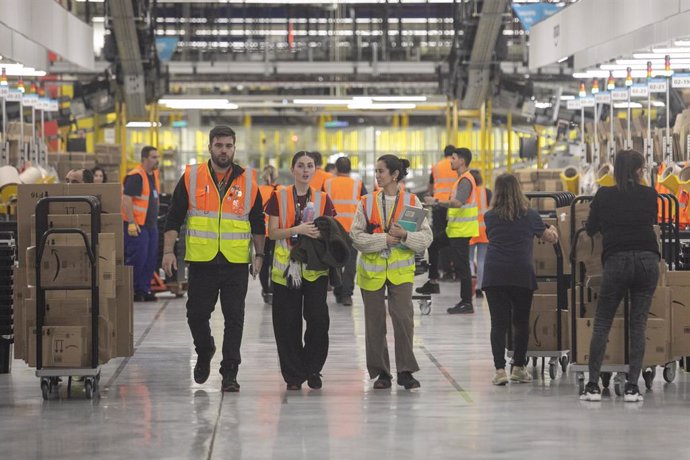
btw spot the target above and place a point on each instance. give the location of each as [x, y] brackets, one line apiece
[444, 179]
[345, 193]
[286, 219]
[218, 224]
[683, 199]
[319, 178]
[266, 191]
[482, 206]
[140, 204]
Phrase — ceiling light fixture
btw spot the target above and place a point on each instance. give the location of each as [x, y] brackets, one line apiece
[198, 104]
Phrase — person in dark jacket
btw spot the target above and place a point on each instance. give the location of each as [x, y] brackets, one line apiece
[509, 278]
[625, 215]
[291, 213]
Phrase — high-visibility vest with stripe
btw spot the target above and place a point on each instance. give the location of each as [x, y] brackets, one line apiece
[345, 193]
[444, 178]
[140, 204]
[286, 219]
[683, 199]
[372, 269]
[482, 207]
[215, 224]
[266, 191]
[463, 222]
[319, 178]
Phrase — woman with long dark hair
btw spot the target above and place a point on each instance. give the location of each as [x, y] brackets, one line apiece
[291, 212]
[625, 215]
[509, 278]
[387, 264]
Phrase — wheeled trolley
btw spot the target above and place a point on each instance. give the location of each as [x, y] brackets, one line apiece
[560, 357]
[51, 376]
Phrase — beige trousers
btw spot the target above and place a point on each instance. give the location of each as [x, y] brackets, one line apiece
[402, 316]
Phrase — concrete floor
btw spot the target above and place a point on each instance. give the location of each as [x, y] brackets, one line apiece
[151, 408]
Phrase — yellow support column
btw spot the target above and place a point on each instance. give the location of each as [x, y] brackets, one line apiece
[157, 126]
[509, 154]
[121, 135]
[448, 110]
[489, 166]
[482, 138]
[455, 123]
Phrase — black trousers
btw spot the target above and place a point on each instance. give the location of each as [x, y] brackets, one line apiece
[439, 221]
[265, 272]
[509, 305]
[299, 359]
[460, 253]
[206, 282]
[349, 272]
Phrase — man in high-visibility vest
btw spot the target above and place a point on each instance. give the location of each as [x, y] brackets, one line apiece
[441, 182]
[463, 224]
[320, 175]
[139, 210]
[479, 244]
[345, 192]
[222, 207]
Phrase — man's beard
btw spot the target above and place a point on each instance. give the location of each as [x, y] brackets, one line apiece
[221, 162]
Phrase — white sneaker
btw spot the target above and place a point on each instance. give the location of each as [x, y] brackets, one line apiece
[501, 378]
[591, 393]
[520, 375]
[632, 393]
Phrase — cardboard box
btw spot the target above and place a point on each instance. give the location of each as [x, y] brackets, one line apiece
[544, 302]
[680, 320]
[63, 346]
[678, 278]
[543, 332]
[663, 270]
[125, 311]
[563, 224]
[107, 266]
[110, 223]
[661, 304]
[656, 346]
[546, 287]
[65, 263]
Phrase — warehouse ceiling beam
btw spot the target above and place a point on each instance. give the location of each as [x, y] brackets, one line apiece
[129, 54]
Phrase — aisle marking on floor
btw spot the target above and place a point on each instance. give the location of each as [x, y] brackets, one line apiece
[447, 375]
[215, 427]
[125, 361]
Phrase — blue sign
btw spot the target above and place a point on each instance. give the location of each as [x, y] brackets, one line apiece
[530, 14]
[166, 47]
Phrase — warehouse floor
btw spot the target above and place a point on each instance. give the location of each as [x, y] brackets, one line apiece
[151, 408]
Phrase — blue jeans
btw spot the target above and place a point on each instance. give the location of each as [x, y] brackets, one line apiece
[141, 252]
[634, 271]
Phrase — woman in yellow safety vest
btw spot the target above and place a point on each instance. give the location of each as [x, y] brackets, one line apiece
[387, 262]
[291, 211]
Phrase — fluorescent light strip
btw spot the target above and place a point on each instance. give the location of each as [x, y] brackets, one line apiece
[142, 124]
[322, 101]
[199, 104]
[391, 106]
[624, 105]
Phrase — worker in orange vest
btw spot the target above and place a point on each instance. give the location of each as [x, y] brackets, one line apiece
[345, 192]
[320, 175]
[441, 184]
[479, 244]
[139, 211]
[269, 176]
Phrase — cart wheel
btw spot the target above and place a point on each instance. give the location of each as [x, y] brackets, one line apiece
[45, 389]
[88, 389]
[564, 363]
[605, 379]
[553, 370]
[534, 361]
[581, 382]
[425, 307]
[648, 376]
[619, 383]
[670, 371]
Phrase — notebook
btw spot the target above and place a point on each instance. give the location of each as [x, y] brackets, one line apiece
[411, 219]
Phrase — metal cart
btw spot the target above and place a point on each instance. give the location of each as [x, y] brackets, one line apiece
[560, 356]
[50, 377]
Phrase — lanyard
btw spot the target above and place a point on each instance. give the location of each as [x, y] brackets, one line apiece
[298, 210]
[386, 220]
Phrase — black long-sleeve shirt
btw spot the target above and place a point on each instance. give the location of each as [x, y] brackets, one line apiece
[625, 219]
[177, 213]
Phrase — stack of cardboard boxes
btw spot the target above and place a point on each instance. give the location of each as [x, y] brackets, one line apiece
[65, 263]
[540, 180]
[63, 162]
[109, 157]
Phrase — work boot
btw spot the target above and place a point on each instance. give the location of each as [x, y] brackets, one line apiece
[202, 368]
[428, 288]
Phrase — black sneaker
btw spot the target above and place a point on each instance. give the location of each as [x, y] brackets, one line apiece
[347, 301]
[479, 294]
[202, 368]
[591, 393]
[429, 288]
[268, 297]
[406, 380]
[461, 309]
[632, 393]
[314, 381]
[230, 380]
[150, 297]
[139, 298]
[294, 386]
[383, 382]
